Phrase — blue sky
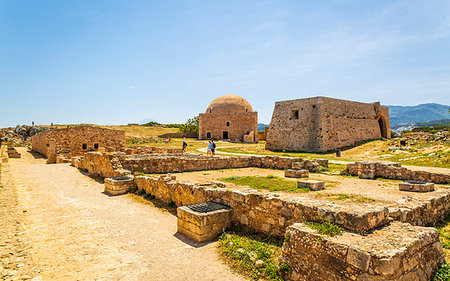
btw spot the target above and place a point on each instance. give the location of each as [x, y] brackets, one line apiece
[115, 62]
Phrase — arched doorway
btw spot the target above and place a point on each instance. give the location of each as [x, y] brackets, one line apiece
[383, 128]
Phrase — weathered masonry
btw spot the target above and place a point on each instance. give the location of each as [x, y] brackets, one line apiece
[321, 124]
[229, 117]
[76, 141]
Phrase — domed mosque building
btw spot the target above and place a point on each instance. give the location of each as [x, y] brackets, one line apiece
[229, 117]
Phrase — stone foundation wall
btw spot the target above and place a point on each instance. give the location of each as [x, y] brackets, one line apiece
[397, 251]
[268, 213]
[371, 170]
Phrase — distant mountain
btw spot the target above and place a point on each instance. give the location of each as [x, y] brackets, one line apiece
[145, 121]
[418, 113]
[262, 126]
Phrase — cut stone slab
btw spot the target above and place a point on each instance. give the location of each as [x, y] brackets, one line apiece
[311, 184]
[416, 186]
[397, 251]
[119, 185]
[204, 221]
[296, 173]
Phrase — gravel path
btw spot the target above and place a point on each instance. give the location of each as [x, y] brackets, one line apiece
[79, 233]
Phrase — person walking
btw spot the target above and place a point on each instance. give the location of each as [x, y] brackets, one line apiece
[208, 152]
[184, 145]
[213, 148]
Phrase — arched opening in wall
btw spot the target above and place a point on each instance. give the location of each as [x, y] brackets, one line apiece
[208, 135]
[383, 128]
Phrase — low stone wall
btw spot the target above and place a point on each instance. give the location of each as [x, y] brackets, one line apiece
[263, 212]
[430, 210]
[397, 251]
[151, 150]
[193, 135]
[160, 164]
[371, 170]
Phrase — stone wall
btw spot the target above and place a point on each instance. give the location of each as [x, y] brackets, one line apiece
[264, 212]
[160, 164]
[179, 135]
[321, 124]
[396, 251]
[237, 125]
[371, 170]
[77, 140]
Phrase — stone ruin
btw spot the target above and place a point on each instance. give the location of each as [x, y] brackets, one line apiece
[404, 251]
[378, 243]
[59, 145]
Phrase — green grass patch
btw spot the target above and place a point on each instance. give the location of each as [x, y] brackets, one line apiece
[443, 273]
[325, 228]
[344, 196]
[270, 182]
[245, 251]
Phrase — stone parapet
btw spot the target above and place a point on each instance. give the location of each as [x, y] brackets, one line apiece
[397, 251]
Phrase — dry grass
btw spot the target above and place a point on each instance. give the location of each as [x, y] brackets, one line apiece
[142, 131]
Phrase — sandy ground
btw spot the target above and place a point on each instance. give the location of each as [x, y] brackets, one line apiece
[76, 232]
[385, 192]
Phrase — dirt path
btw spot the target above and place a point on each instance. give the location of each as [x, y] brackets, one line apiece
[79, 233]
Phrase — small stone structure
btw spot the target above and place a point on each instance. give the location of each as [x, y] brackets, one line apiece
[119, 185]
[12, 152]
[397, 251]
[75, 141]
[311, 184]
[229, 117]
[371, 170]
[204, 221]
[416, 186]
[296, 173]
[322, 124]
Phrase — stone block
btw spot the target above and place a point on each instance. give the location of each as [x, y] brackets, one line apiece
[296, 173]
[416, 186]
[203, 221]
[118, 185]
[311, 184]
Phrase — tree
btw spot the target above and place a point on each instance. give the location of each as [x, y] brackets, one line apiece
[191, 125]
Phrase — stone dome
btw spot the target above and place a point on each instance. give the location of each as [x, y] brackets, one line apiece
[229, 104]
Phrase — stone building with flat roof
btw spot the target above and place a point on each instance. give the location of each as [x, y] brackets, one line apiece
[229, 117]
[321, 124]
[76, 141]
